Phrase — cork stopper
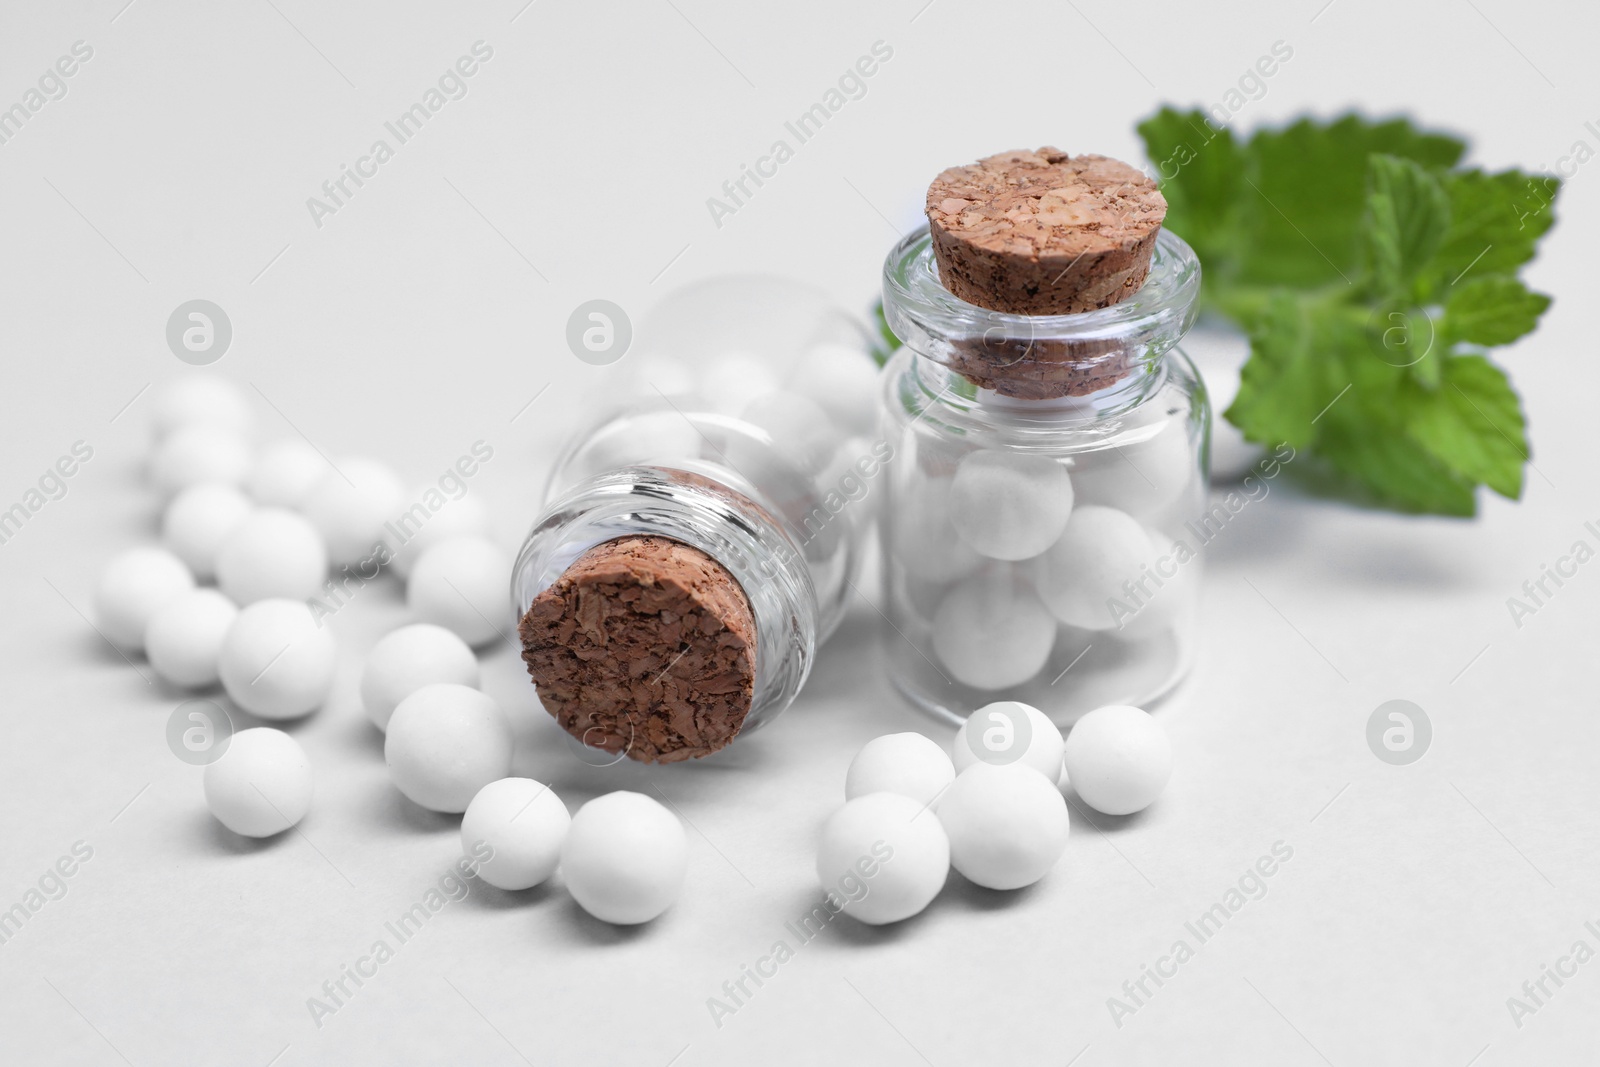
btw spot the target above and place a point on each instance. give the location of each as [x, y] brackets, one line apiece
[1044, 233]
[1032, 233]
[644, 646]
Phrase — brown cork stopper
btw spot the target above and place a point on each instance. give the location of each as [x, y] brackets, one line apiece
[1043, 233]
[644, 646]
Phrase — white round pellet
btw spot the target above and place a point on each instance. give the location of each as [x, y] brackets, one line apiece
[200, 399]
[1009, 731]
[922, 538]
[461, 517]
[1010, 505]
[803, 433]
[1085, 578]
[624, 858]
[1007, 824]
[843, 381]
[908, 764]
[731, 381]
[285, 472]
[276, 662]
[261, 784]
[1168, 591]
[991, 632]
[524, 823]
[271, 553]
[184, 639]
[199, 519]
[409, 658]
[445, 742]
[1118, 759]
[197, 453]
[134, 586]
[462, 584]
[1142, 476]
[883, 858]
[349, 506]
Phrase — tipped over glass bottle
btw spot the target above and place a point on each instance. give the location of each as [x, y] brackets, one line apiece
[699, 541]
[1046, 468]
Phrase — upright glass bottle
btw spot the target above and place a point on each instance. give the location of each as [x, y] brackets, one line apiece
[750, 447]
[1036, 544]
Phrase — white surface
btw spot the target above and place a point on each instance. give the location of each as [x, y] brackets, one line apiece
[407, 327]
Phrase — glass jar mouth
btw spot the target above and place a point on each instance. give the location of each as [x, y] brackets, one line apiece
[1039, 356]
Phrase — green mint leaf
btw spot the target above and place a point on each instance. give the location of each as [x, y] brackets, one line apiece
[1406, 220]
[1472, 424]
[1306, 193]
[1201, 172]
[1293, 372]
[1392, 468]
[1491, 310]
[1496, 221]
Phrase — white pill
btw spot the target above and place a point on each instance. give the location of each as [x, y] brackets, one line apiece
[1140, 475]
[261, 784]
[199, 519]
[908, 764]
[285, 472]
[1007, 824]
[201, 398]
[1009, 731]
[803, 433]
[349, 506]
[276, 662]
[843, 381]
[445, 742]
[1010, 505]
[523, 823]
[421, 526]
[199, 453]
[731, 381]
[463, 584]
[991, 632]
[1118, 759]
[1087, 576]
[922, 538]
[1166, 591]
[882, 858]
[184, 639]
[409, 658]
[624, 858]
[272, 553]
[134, 586]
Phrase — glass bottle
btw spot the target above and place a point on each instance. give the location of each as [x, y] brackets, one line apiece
[748, 440]
[1045, 472]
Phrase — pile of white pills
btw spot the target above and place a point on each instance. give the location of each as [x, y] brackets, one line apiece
[992, 808]
[262, 527]
[1004, 555]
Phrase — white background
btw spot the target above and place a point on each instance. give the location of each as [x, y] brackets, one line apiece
[429, 310]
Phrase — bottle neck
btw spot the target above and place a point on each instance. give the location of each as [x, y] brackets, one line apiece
[749, 542]
[1099, 359]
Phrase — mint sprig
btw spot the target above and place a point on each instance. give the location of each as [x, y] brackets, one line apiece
[1372, 275]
